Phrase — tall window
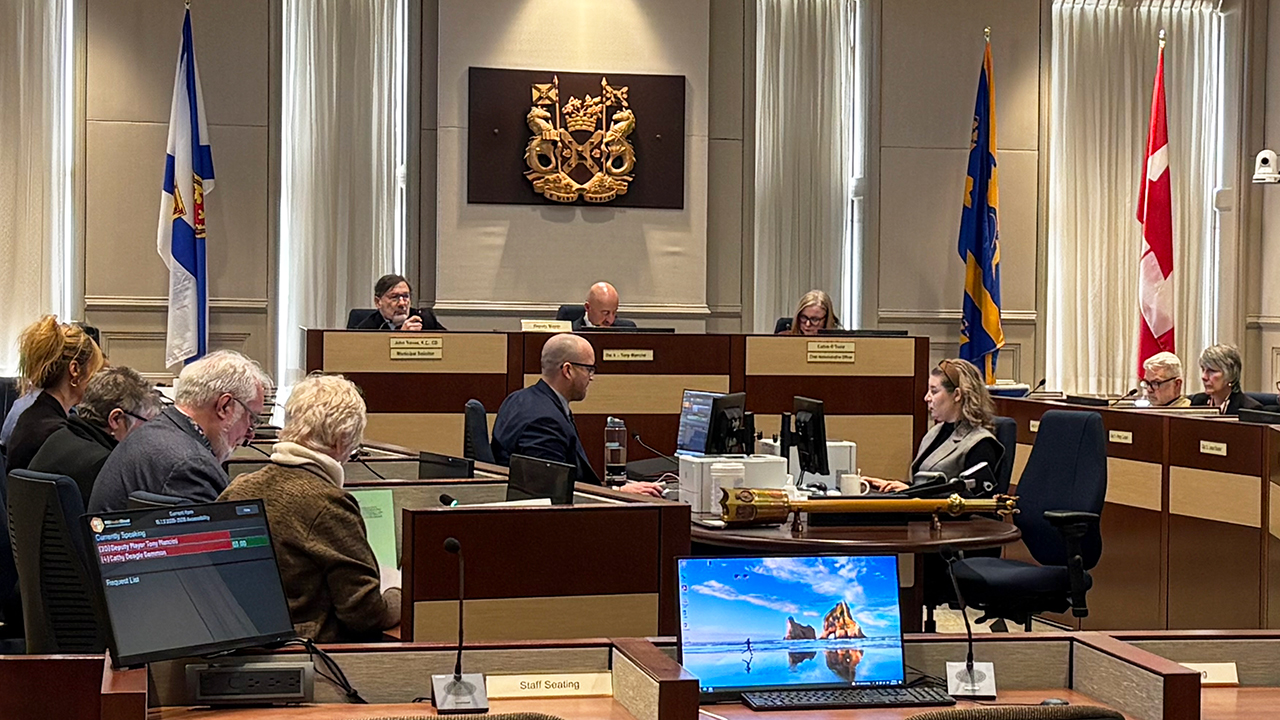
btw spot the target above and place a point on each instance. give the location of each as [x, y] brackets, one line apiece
[1103, 68]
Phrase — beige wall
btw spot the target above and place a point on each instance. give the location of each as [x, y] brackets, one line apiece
[1262, 337]
[930, 53]
[132, 48]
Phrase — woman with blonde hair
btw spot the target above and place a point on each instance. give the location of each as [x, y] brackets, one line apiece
[57, 359]
[962, 436]
[329, 570]
[814, 313]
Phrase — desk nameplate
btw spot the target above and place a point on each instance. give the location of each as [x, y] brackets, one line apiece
[396, 341]
[830, 357]
[586, 684]
[546, 326]
[627, 356]
[1208, 447]
[1034, 425]
[1124, 437]
[417, 353]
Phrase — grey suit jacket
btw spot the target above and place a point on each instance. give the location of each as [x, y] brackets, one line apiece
[949, 457]
[166, 455]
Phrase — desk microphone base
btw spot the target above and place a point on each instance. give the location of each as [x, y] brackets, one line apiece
[468, 695]
[981, 685]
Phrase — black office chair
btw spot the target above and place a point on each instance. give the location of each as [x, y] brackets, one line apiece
[1060, 498]
[358, 315]
[783, 324]
[1007, 435]
[571, 312]
[143, 500]
[11, 632]
[475, 436]
[49, 549]
[1265, 398]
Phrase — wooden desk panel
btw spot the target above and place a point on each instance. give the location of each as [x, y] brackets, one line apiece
[874, 357]
[673, 354]
[1243, 445]
[369, 351]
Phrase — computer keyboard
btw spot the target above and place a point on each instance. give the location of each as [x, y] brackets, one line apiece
[846, 698]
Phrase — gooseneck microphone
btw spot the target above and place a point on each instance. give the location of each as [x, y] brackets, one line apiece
[975, 683]
[1037, 387]
[458, 693]
[1124, 397]
[647, 446]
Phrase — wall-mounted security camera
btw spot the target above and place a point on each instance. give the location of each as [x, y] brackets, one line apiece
[1264, 168]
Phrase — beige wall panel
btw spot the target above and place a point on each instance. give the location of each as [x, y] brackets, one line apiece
[1017, 358]
[725, 236]
[1133, 483]
[884, 357]
[921, 192]
[137, 338]
[1221, 497]
[884, 441]
[436, 432]
[930, 56]
[370, 352]
[123, 205]
[544, 618]
[641, 394]
[1019, 463]
[552, 254]
[425, 289]
[133, 49]
[725, 88]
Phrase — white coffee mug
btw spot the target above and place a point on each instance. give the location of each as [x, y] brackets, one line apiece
[853, 484]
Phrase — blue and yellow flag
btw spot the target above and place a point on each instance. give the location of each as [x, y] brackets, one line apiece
[981, 336]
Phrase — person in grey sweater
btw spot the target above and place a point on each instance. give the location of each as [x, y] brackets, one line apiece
[180, 453]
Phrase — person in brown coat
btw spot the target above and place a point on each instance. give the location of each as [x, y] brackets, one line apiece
[336, 591]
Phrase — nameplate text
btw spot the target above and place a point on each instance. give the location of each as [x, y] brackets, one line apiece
[417, 353]
[545, 326]
[1035, 426]
[554, 685]
[1124, 437]
[1208, 447]
[831, 357]
[428, 341]
[842, 346]
[628, 356]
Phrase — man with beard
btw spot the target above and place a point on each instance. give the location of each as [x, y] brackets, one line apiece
[180, 453]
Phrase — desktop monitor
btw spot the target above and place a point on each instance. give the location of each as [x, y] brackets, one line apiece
[435, 466]
[810, 436]
[532, 478]
[770, 623]
[727, 429]
[626, 329]
[695, 421]
[188, 580]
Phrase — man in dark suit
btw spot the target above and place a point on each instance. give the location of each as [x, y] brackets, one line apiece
[391, 296]
[537, 422]
[601, 309]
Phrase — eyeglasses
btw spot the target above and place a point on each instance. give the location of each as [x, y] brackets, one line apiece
[807, 320]
[134, 415]
[591, 369]
[397, 297]
[253, 417]
[1155, 384]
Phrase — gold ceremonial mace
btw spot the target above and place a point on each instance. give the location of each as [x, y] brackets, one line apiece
[745, 507]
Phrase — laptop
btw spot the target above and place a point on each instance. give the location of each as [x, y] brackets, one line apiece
[774, 631]
[691, 439]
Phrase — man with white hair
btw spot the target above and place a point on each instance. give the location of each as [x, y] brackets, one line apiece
[180, 453]
[537, 422]
[1162, 381]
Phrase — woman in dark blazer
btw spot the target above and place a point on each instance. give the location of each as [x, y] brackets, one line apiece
[1220, 370]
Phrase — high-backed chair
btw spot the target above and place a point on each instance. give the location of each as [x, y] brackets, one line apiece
[1007, 435]
[50, 551]
[10, 601]
[1060, 498]
[571, 312]
[1265, 398]
[358, 315]
[475, 440]
[782, 325]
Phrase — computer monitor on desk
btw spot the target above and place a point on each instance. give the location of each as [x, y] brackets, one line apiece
[187, 581]
[627, 329]
[810, 436]
[695, 422]
[534, 478]
[731, 427]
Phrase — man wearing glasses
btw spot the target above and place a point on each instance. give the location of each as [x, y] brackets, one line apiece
[392, 297]
[179, 453]
[116, 402]
[1162, 381]
[537, 422]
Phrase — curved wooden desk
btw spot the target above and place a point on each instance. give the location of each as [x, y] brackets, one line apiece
[913, 537]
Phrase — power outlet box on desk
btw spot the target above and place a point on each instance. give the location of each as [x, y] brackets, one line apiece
[251, 683]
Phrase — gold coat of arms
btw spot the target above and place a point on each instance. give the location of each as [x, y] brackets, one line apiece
[580, 148]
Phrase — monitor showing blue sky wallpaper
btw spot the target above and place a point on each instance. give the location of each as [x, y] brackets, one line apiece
[749, 623]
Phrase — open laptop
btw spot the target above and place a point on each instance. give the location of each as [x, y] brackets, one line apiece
[691, 439]
[786, 633]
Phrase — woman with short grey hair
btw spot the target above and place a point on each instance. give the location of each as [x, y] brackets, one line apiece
[1220, 371]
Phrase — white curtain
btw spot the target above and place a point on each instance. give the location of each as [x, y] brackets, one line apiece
[804, 153]
[1103, 69]
[342, 198]
[36, 152]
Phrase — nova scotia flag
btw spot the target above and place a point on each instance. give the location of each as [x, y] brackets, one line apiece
[188, 175]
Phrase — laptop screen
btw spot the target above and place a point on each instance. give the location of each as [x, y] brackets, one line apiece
[695, 418]
[188, 580]
[790, 622]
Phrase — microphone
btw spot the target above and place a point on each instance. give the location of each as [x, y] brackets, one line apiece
[449, 501]
[1124, 397]
[1037, 387]
[647, 446]
[458, 693]
[970, 682]
[970, 481]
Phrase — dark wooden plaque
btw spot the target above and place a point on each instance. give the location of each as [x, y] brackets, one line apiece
[499, 135]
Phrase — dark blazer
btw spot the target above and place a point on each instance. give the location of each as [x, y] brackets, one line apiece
[533, 422]
[35, 425]
[167, 455]
[580, 324]
[1235, 402]
[78, 450]
[375, 321]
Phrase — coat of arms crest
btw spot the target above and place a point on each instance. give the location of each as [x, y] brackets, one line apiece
[580, 148]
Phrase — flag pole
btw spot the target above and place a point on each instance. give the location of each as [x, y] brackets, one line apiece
[986, 32]
[1161, 35]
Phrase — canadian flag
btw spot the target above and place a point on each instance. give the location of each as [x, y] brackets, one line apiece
[1155, 212]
